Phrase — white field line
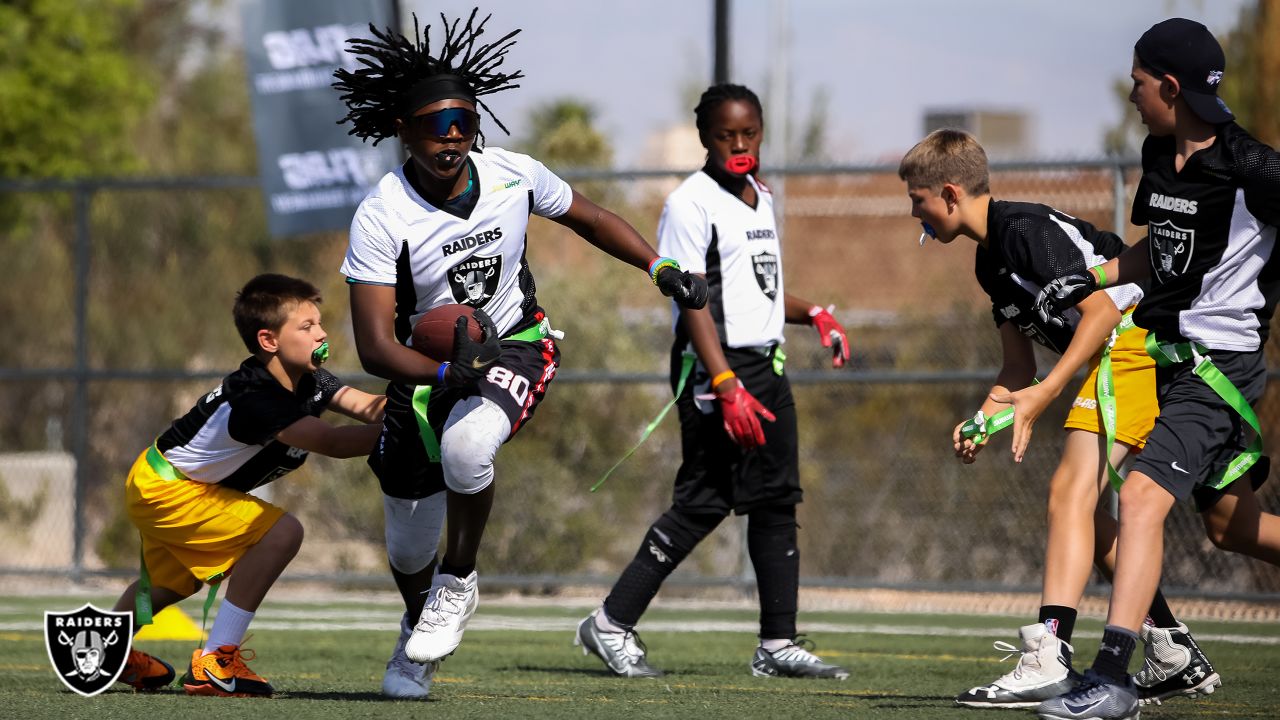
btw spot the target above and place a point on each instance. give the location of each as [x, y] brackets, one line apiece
[380, 620]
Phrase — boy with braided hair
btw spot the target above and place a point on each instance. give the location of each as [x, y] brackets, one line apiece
[450, 227]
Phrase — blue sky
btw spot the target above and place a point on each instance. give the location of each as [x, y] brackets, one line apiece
[881, 62]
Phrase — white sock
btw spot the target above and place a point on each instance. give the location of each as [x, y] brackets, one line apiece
[773, 645]
[604, 624]
[229, 627]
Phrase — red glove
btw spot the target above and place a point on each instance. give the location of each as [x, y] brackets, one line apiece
[740, 408]
[831, 334]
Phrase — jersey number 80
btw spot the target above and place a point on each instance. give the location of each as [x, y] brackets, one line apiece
[517, 385]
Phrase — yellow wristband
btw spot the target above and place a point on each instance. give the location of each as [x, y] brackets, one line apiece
[727, 374]
[1102, 276]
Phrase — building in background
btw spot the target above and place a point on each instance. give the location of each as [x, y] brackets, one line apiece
[1004, 134]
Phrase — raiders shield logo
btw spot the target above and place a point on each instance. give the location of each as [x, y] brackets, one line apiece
[88, 647]
[766, 267]
[475, 280]
[1171, 248]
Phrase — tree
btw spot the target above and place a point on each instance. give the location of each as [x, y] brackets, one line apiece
[562, 134]
[1253, 69]
[1249, 87]
[70, 89]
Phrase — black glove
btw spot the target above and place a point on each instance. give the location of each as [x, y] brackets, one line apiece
[471, 359]
[1062, 293]
[689, 290]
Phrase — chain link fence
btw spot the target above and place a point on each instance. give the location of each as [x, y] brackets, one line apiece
[117, 309]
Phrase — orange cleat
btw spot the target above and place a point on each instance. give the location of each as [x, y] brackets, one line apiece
[224, 673]
[146, 673]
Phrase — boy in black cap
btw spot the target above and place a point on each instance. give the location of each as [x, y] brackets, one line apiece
[1210, 198]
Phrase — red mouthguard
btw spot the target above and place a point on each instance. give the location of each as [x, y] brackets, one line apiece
[740, 164]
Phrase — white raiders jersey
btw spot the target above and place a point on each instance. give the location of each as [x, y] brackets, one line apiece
[434, 258]
[709, 230]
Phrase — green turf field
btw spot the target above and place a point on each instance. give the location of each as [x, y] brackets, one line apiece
[326, 660]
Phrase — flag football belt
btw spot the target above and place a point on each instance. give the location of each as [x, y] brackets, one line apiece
[1166, 354]
[142, 598]
[422, 393]
[160, 465]
[1105, 390]
[980, 427]
[687, 361]
[777, 357]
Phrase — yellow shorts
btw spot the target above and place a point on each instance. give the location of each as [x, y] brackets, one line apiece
[1134, 375]
[192, 531]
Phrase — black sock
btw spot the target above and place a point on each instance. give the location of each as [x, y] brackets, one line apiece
[1060, 619]
[1114, 653]
[1160, 614]
[460, 571]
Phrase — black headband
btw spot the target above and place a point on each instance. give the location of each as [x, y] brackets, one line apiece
[436, 88]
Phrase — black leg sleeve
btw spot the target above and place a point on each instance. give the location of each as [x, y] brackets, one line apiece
[771, 542]
[668, 542]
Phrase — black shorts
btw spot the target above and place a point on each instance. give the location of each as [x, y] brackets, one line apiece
[717, 476]
[1197, 433]
[517, 383]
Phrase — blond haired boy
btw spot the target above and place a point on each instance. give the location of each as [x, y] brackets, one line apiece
[1020, 248]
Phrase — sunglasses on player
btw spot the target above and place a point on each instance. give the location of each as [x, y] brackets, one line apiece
[437, 124]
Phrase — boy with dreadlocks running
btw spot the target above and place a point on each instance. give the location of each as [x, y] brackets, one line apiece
[720, 223]
[449, 227]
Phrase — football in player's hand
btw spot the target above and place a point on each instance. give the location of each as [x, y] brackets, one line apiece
[433, 335]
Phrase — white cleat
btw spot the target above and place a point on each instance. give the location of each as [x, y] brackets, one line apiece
[1173, 666]
[406, 679]
[1043, 672]
[444, 618]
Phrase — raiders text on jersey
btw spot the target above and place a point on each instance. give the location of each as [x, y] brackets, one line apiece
[433, 257]
[1211, 235]
[709, 230]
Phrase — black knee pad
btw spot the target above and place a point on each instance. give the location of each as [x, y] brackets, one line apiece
[675, 534]
[668, 542]
[773, 523]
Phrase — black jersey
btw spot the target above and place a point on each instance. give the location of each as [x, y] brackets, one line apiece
[1211, 230]
[1028, 245]
[228, 437]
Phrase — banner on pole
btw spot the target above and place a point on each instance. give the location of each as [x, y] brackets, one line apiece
[313, 173]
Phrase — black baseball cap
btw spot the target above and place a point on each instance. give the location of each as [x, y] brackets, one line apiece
[1187, 50]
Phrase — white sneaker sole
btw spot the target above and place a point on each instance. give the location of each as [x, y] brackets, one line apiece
[1205, 687]
[1019, 705]
[425, 651]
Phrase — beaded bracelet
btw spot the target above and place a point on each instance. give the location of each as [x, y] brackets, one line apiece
[658, 263]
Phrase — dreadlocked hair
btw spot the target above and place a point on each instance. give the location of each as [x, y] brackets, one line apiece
[392, 64]
[715, 95]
